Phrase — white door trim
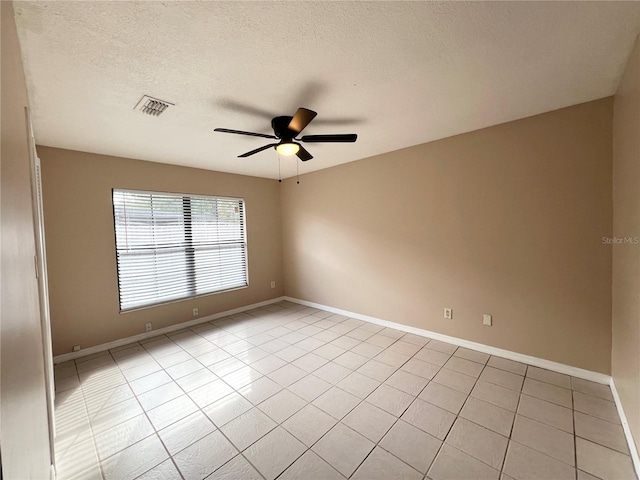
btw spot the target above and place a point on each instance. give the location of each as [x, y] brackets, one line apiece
[43, 285]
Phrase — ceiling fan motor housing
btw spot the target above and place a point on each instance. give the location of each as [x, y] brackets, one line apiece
[280, 127]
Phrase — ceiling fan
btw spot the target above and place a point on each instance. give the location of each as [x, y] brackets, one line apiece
[286, 129]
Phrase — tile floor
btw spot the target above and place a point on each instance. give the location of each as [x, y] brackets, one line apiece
[291, 392]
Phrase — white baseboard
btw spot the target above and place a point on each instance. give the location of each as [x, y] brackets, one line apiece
[172, 328]
[518, 357]
[627, 430]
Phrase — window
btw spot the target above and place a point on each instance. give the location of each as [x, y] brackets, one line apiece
[171, 246]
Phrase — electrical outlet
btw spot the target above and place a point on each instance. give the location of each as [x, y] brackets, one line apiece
[448, 313]
[273, 284]
[486, 320]
[76, 348]
[148, 327]
[195, 312]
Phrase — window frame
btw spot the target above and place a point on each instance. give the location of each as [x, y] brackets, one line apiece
[183, 195]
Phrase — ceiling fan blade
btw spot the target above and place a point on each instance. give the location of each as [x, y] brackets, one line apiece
[241, 132]
[301, 119]
[350, 137]
[303, 154]
[257, 150]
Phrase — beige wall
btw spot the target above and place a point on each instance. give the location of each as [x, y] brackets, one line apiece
[81, 248]
[625, 357]
[507, 220]
[24, 430]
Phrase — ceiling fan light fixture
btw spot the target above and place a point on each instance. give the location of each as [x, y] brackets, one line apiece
[287, 148]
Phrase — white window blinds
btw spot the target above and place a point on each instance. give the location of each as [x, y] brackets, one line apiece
[171, 246]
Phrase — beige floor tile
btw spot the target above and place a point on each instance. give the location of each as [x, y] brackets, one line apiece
[171, 412]
[258, 391]
[210, 392]
[381, 465]
[282, 405]
[76, 459]
[443, 397]
[351, 360]
[329, 351]
[310, 467]
[348, 342]
[377, 370]
[116, 414]
[407, 382]
[241, 377]
[544, 439]
[149, 382]
[310, 387]
[603, 462]
[586, 476]
[370, 421]
[183, 433]
[452, 464]
[237, 467]
[479, 442]
[432, 356]
[595, 407]
[343, 448]
[429, 418]
[546, 391]
[502, 378]
[390, 399]
[600, 431]
[421, 368]
[336, 402]
[367, 349]
[158, 396]
[472, 355]
[196, 379]
[103, 399]
[461, 365]
[548, 376]
[332, 372]
[443, 347]
[204, 456]
[309, 362]
[458, 381]
[227, 408]
[309, 424]
[415, 339]
[508, 365]
[406, 348]
[359, 385]
[182, 369]
[488, 415]
[134, 460]
[285, 376]
[271, 363]
[163, 471]
[592, 388]
[392, 358]
[492, 393]
[247, 428]
[121, 436]
[525, 463]
[545, 412]
[411, 445]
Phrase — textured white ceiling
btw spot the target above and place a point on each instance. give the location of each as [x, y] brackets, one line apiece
[396, 73]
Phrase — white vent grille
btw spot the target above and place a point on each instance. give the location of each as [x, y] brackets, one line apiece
[152, 106]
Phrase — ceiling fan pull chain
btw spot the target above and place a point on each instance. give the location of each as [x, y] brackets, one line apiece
[279, 174]
[298, 171]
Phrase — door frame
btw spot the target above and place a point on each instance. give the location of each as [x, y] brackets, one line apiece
[43, 284]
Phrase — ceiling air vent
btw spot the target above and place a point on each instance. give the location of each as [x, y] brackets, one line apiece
[152, 106]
